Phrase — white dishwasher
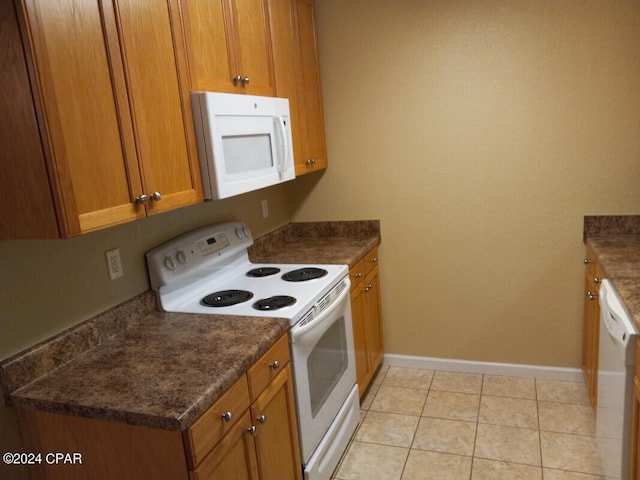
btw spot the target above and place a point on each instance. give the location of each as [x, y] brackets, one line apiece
[616, 359]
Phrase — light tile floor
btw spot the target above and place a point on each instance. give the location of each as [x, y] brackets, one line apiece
[434, 425]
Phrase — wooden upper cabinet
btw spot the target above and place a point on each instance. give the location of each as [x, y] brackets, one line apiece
[24, 180]
[229, 46]
[105, 84]
[310, 107]
[295, 59]
[156, 73]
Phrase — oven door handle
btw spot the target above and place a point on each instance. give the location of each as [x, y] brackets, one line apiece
[299, 331]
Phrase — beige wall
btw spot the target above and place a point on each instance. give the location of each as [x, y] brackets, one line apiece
[479, 133]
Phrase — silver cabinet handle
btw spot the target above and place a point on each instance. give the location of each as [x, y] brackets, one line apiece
[586, 261]
[592, 296]
[310, 162]
[359, 275]
[156, 197]
[275, 365]
[227, 416]
[239, 79]
[368, 287]
[596, 280]
[252, 430]
[374, 260]
[142, 199]
[262, 419]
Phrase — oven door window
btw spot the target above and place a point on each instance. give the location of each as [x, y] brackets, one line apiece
[326, 363]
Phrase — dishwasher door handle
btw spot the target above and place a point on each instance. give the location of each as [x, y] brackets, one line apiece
[614, 315]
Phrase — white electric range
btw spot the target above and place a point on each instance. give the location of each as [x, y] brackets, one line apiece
[208, 271]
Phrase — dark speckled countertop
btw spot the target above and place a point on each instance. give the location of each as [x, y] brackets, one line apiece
[615, 241]
[136, 365]
[318, 242]
[163, 371]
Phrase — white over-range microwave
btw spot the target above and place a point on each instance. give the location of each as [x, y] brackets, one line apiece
[244, 142]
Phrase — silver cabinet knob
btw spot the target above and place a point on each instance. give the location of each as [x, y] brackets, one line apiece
[586, 261]
[240, 80]
[596, 280]
[262, 419]
[142, 199]
[368, 287]
[275, 365]
[252, 430]
[359, 275]
[227, 416]
[374, 260]
[156, 197]
[592, 296]
[310, 162]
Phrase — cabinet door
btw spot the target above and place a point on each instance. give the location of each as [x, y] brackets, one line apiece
[208, 26]
[254, 46]
[233, 457]
[155, 68]
[358, 318]
[83, 111]
[228, 39]
[375, 346]
[26, 205]
[314, 154]
[274, 415]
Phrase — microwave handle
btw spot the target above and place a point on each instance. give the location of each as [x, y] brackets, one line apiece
[283, 159]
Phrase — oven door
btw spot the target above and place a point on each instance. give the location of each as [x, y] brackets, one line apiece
[324, 369]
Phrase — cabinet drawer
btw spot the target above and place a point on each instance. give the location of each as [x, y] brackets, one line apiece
[268, 366]
[357, 273]
[215, 422]
[370, 260]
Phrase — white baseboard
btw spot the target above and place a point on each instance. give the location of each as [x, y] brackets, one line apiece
[489, 368]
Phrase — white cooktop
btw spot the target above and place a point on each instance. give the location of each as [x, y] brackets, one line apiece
[214, 259]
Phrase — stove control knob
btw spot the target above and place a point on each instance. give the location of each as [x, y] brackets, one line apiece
[169, 263]
[243, 232]
[181, 257]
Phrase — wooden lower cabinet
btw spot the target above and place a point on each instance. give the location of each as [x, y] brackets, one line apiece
[367, 320]
[233, 457]
[591, 326]
[276, 437]
[245, 435]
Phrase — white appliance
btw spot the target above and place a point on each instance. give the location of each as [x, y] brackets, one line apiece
[244, 142]
[616, 364]
[208, 271]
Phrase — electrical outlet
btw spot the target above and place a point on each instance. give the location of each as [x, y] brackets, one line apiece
[114, 264]
[265, 208]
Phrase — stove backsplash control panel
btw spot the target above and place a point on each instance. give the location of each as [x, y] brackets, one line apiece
[207, 248]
